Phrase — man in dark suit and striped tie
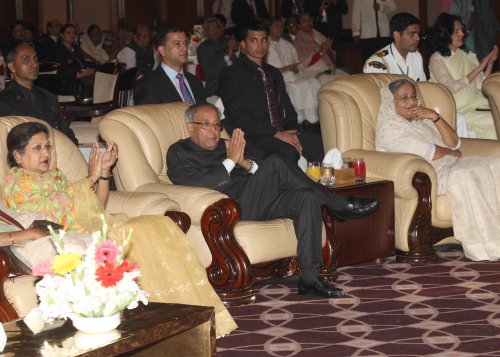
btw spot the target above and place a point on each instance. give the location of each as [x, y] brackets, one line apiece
[169, 82]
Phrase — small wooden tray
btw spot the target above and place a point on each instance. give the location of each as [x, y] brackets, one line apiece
[343, 176]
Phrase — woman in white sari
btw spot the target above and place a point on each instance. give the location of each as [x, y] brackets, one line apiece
[460, 71]
[91, 45]
[472, 183]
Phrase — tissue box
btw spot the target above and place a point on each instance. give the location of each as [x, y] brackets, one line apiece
[344, 176]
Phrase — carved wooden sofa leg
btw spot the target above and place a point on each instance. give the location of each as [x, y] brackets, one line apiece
[231, 273]
[182, 219]
[7, 312]
[419, 232]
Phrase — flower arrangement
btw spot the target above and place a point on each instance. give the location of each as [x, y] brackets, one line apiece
[195, 38]
[96, 282]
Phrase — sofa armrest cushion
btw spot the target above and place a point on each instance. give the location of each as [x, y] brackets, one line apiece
[140, 203]
[480, 147]
[20, 292]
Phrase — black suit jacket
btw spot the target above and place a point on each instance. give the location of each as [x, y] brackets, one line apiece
[38, 103]
[191, 165]
[241, 13]
[155, 88]
[245, 102]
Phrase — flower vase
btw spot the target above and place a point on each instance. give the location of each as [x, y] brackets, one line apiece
[96, 324]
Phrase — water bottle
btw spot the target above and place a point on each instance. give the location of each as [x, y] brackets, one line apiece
[2, 73]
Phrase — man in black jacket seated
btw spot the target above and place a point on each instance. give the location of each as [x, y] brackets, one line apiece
[169, 82]
[255, 100]
[21, 97]
[265, 189]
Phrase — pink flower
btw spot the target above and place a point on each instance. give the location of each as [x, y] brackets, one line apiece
[43, 269]
[107, 251]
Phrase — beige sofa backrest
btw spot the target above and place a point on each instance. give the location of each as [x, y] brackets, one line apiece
[351, 105]
[65, 154]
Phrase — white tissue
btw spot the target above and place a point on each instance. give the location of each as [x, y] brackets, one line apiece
[3, 338]
[334, 158]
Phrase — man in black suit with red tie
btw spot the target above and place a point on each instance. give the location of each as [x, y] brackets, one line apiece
[265, 189]
[169, 82]
[255, 100]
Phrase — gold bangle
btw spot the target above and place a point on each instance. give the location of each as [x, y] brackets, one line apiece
[11, 239]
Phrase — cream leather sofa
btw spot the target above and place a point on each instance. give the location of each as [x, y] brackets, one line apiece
[491, 88]
[18, 296]
[237, 254]
[348, 110]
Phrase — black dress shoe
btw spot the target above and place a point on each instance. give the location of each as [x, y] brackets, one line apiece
[320, 287]
[356, 207]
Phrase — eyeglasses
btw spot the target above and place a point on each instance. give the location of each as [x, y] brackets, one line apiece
[39, 148]
[207, 125]
[406, 98]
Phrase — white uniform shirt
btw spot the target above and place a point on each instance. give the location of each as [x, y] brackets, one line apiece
[363, 18]
[389, 60]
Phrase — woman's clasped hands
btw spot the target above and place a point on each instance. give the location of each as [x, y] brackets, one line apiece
[100, 163]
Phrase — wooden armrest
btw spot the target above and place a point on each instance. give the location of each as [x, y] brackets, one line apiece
[7, 312]
[181, 219]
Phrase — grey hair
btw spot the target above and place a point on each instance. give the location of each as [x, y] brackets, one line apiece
[394, 85]
[193, 110]
[209, 22]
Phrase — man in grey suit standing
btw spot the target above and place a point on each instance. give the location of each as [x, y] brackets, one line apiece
[169, 82]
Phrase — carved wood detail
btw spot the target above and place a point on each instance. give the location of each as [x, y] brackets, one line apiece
[7, 312]
[419, 232]
[182, 219]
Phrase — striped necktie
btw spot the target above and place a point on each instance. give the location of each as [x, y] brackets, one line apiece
[272, 104]
[186, 95]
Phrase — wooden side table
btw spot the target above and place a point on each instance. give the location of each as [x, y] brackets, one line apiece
[157, 329]
[369, 238]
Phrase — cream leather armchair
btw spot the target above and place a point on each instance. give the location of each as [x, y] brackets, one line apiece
[237, 254]
[491, 88]
[348, 110]
[18, 296]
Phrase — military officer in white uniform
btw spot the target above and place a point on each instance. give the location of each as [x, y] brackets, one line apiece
[401, 56]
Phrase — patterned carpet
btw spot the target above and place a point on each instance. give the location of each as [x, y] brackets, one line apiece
[446, 309]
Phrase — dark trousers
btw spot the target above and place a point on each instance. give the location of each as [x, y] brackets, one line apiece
[371, 45]
[312, 147]
[281, 190]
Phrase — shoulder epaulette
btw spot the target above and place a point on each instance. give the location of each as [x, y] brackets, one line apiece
[377, 65]
[382, 53]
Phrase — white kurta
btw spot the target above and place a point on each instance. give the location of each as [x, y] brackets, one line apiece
[471, 183]
[301, 89]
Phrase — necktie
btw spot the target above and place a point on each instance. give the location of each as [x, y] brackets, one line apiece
[272, 104]
[376, 17]
[186, 95]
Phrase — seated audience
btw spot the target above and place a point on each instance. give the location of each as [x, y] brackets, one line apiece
[264, 189]
[460, 71]
[291, 29]
[169, 82]
[76, 76]
[315, 50]
[91, 45]
[301, 89]
[138, 53]
[329, 22]
[404, 126]
[170, 269]
[245, 11]
[255, 100]
[215, 53]
[223, 7]
[17, 33]
[30, 35]
[22, 97]
[48, 42]
[402, 57]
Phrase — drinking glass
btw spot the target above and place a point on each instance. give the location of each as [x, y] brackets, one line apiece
[327, 177]
[359, 169]
[346, 162]
[314, 170]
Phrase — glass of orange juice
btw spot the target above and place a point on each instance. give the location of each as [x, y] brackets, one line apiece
[314, 170]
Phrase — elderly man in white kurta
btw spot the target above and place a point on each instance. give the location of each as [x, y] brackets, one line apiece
[301, 89]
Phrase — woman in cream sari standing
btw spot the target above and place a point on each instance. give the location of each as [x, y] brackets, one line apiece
[171, 272]
[471, 183]
[460, 71]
